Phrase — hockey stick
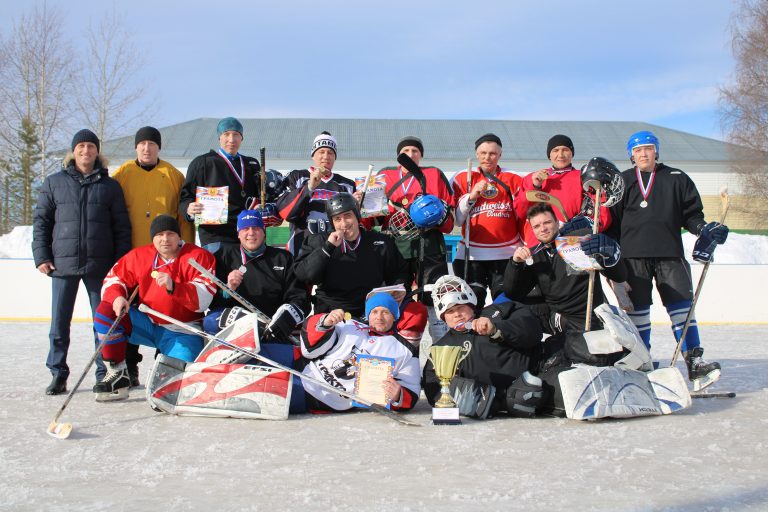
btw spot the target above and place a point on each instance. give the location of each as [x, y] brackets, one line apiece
[724, 200]
[539, 196]
[63, 430]
[729, 394]
[352, 396]
[466, 221]
[261, 317]
[591, 288]
[263, 155]
[365, 187]
[414, 169]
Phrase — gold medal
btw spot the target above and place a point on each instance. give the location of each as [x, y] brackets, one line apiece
[405, 201]
[347, 315]
[154, 274]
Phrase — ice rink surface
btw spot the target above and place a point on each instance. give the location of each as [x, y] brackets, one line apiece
[124, 456]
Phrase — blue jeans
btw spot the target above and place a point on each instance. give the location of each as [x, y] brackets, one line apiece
[62, 308]
[170, 343]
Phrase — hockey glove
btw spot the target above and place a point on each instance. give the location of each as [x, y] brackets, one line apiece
[578, 223]
[229, 315]
[269, 215]
[603, 248]
[473, 398]
[284, 321]
[716, 231]
[704, 248]
[524, 395]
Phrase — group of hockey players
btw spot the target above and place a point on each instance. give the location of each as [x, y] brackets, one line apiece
[348, 287]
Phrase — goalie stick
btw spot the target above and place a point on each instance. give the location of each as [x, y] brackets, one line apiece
[63, 430]
[373, 407]
[729, 394]
[591, 286]
[261, 317]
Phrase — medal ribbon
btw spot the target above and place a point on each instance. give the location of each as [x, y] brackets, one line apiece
[240, 177]
[155, 266]
[402, 185]
[347, 246]
[645, 191]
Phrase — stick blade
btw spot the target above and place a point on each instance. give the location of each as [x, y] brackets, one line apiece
[59, 430]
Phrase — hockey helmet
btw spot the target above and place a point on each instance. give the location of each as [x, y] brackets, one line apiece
[449, 291]
[274, 185]
[427, 211]
[603, 173]
[642, 138]
[340, 203]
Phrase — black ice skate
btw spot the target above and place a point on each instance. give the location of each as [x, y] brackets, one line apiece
[114, 385]
[133, 375]
[700, 372]
[57, 386]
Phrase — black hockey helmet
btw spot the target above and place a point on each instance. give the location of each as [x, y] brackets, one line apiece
[340, 203]
[603, 173]
[274, 185]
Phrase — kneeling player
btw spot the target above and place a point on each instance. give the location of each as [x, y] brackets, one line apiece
[168, 284]
[505, 344]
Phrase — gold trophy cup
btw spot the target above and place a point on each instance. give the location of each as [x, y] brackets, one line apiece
[445, 360]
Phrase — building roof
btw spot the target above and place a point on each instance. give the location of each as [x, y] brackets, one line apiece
[366, 139]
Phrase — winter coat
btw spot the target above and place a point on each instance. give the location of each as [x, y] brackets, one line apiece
[81, 223]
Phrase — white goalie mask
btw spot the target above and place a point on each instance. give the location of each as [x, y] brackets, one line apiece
[449, 291]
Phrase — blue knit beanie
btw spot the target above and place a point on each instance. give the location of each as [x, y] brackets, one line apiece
[249, 218]
[383, 300]
[229, 124]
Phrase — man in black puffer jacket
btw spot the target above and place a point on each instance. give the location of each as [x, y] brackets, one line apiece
[81, 228]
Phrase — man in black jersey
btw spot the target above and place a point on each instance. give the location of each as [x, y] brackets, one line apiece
[658, 201]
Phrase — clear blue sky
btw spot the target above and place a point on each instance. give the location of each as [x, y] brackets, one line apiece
[655, 61]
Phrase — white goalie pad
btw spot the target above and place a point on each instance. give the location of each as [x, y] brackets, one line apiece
[623, 334]
[591, 392]
[243, 332]
[221, 390]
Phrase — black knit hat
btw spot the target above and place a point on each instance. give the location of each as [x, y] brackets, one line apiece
[164, 223]
[488, 137]
[85, 135]
[148, 133]
[410, 140]
[559, 140]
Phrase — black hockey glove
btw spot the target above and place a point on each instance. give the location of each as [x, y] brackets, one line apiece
[284, 321]
[603, 248]
[473, 399]
[704, 248]
[525, 395]
[229, 315]
[578, 223]
[716, 231]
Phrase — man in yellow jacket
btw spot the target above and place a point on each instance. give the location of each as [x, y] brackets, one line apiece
[151, 187]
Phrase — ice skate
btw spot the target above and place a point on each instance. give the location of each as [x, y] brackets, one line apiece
[114, 385]
[57, 386]
[700, 372]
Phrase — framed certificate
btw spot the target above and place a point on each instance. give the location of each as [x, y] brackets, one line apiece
[375, 202]
[215, 202]
[371, 372]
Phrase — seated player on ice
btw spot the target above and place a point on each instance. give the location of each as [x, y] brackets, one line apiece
[330, 346]
[168, 284]
[505, 345]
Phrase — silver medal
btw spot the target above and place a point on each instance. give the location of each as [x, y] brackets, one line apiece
[242, 269]
[529, 261]
[643, 204]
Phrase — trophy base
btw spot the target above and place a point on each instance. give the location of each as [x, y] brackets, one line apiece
[445, 416]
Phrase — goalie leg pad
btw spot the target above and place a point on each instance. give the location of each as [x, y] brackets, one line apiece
[473, 398]
[221, 390]
[625, 334]
[243, 332]
[591, 392]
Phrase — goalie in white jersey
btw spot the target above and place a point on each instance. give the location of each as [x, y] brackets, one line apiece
[332, 345]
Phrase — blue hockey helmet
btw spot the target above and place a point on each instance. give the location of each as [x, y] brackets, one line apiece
[642, 138]
[427, 211]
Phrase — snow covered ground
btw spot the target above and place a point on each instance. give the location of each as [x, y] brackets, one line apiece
[124, 456]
